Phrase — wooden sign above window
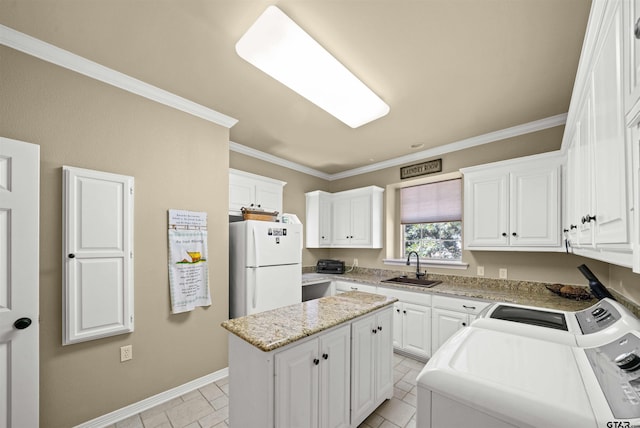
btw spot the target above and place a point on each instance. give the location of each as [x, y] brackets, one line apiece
[424, 168]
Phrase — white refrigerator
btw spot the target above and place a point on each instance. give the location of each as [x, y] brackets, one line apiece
[265, 266]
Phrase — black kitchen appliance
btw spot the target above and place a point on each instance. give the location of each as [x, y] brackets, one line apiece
[330, 266]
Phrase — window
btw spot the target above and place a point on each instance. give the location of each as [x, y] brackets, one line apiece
[431, 217]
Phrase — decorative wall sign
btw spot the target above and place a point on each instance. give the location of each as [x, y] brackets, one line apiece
[188, 266]
[424, 168]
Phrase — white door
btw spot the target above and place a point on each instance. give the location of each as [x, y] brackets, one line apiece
[296, 386]
[535, 201]
[486, 211]
[19, 251]
[363, 363]
[417, 329]
[445, 324]
[335, 378]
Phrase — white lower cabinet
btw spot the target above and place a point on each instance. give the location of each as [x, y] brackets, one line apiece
[450, 314]
[411, 322]
[312, 382]
[372, 363]
[333, 379]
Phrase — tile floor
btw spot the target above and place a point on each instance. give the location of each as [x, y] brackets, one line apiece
[208, 406]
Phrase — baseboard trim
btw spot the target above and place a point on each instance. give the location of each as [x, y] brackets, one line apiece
[148, 403]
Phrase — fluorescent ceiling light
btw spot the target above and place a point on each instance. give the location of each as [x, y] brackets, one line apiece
[279, 47]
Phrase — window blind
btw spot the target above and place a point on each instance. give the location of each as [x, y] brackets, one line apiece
[431, 203]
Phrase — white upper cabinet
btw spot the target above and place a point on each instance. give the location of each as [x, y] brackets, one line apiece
[513, 204]
[349, 219]
[248, 190]
[318, 221]
[598, 193]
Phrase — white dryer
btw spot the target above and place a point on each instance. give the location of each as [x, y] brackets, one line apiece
[494, 379]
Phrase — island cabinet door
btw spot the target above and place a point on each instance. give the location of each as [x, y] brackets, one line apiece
[363, 368]
[335, 378]
[296, 386]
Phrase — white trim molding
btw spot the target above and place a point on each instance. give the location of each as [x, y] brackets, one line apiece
[63, 58]
[148, 403]
[514, 131]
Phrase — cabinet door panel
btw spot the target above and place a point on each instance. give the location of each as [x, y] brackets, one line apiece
[341, 222]
[269, 197]
[609, 142]
[335, 378]
[361, 221]
[241, 193]
[417, 329]
[486, 210]
[384, 355]
[363, 358]
[445, 324]
[398, 321]
[296, 386]
[535, 199]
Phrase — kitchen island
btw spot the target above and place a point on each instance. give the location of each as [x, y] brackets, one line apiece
[324, 362]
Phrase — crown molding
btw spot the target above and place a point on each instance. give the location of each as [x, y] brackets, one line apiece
[248, 151]
[514, 131]
[63, 58]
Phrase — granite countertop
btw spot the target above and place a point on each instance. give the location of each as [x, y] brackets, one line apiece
[278, 327]
[499, 290]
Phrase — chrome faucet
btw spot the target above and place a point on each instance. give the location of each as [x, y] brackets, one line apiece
[418, 273]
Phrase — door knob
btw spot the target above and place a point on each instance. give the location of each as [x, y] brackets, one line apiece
[22, 323]
[72, 256]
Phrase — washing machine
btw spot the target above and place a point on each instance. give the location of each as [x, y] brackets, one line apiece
[599, 324]
[494, 379]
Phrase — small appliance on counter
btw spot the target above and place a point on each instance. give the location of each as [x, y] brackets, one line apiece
[330, 266]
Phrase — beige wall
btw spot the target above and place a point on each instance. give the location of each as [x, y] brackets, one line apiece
[178, 161]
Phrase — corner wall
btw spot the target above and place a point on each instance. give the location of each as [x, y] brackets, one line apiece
[178, 161]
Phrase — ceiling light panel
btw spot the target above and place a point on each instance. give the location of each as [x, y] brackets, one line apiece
[280, 48]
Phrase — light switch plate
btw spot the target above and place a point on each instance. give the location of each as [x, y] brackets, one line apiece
[480, 270]
[502, 273]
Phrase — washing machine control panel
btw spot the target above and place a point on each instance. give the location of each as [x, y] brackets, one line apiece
[616, 365]
[597, 317]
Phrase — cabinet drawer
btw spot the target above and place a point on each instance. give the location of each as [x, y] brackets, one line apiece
[344, 286]
[460, 305]
[416, 298]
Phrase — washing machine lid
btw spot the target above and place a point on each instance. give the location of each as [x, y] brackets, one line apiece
[521, 380]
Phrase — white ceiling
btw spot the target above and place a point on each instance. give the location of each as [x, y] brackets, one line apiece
[450, 70]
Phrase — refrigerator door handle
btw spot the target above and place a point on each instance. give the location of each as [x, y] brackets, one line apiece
[254, 291]
[256, 250]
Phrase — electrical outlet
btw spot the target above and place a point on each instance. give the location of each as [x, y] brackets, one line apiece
[355, 262]
[480, 270]
[502, 273]
[126, 353]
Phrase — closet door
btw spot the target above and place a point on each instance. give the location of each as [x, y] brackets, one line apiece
[98, 255]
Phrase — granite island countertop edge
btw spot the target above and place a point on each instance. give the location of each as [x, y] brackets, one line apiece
[279, 327]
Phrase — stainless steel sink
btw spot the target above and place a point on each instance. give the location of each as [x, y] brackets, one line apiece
[412, 281]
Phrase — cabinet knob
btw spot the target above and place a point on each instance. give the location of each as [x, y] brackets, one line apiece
[636, 29]
[404, 312]
[325, 356]
[374, 331]
[588, 219]
[379, 328]
[316, 361]
[514, 234]
[573, 226]
[398, 310]
[72, 256]
[504, 233]
[251, 205]
[469, 307]
[464, 324]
